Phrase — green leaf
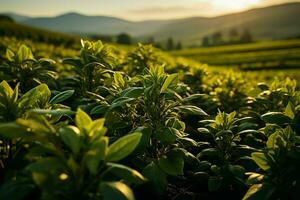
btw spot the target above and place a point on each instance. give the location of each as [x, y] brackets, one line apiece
[123, 147]
[127, 174]
[214, 183]
[70, 136]
[82, 120]
[192, 110]
[156, 176]
[95, 154]
[24, 53]
[192, 97]
[290, 110]
[201, 177]
[62, 96]
[37, 97]
[204, 165]
[76, 62]
[167, 135]
[46, 61]
[97, 129]
[188, 142]
[38, 125]
[172, 79]
[116, 191]
[6, 90]
[258, 192]
[57, 112]
[261, 160]
[272, 140]
[10, 55]
[100, 109]
[237, 171]
[192, 160]
[203, 130]
[210, 152]
[215, 169]
[172, 164]
[220, 118]
[207, 122]
[275, 118]
[133, 92]
[174, 122]
[145, 139]
[120, 102]
[12, 130]
[230, 117]
[263, 86]
[119, 81]
[243, 149]
[250, 131]
[15, 95]
[254, 178]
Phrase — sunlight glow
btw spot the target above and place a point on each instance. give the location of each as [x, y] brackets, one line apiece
[234, 4]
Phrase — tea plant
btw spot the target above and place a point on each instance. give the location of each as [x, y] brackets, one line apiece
[225, 157]
[92, 68]
[67, 162]
[279, 163]
[141, 58]
[21, 66]
[126, 124]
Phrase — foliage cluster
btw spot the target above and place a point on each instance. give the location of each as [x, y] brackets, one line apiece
[141, 125]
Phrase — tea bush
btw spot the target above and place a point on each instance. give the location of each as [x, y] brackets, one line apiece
[101, 124]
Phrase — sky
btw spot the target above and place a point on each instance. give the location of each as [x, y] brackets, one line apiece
[134, 9]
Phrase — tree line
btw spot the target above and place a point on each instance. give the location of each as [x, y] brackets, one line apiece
[168, 45]
[124, 38]
[233, 36]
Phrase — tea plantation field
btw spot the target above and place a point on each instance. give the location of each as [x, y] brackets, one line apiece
[97, 121]
[273, 55]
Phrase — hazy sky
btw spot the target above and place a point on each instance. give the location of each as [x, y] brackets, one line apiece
[133, 9]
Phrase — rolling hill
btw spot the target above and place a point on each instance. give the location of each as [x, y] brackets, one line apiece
[82, 24]
[273, 22]
[20, 31]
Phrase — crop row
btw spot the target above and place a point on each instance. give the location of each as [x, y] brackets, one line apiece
[142, 125]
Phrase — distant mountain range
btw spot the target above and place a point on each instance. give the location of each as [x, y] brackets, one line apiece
[273, 22]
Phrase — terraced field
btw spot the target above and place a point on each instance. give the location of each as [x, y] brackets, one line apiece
[255, 56]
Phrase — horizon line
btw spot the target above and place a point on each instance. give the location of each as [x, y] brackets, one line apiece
[161, 19]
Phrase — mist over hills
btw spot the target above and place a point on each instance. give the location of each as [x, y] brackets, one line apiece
[273, 22]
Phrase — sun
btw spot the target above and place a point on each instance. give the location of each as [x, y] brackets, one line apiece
[234, 4]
